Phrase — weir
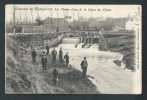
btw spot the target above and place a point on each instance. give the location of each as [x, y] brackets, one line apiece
[84, 39]
[71, 40]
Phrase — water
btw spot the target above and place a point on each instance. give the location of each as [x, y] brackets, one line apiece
[71, 40]
[109, 78]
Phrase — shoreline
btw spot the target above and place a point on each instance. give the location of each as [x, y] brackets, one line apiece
[23, 77]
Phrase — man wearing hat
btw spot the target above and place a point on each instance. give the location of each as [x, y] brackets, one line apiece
[55, 76]
[44, 62]
[47, 50]
[34, 54]
[54, 54]
[66, 57]
[84, 66]
[60, 54]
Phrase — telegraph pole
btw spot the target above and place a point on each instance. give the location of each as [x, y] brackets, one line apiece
[97, 20]
[14, 19]
[32, 32]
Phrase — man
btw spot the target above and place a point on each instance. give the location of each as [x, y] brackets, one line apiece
[47, 50]
[66, 57]
[60, 55]
[44, 62]
[84, 66]
[54, 54]
[34, 54]
[55, 76]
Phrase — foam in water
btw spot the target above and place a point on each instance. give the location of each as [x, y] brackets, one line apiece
[108, 77]
[70, 41]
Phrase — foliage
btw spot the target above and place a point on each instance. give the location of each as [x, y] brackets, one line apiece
[39, 21]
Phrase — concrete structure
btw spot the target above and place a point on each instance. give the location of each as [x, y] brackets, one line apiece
[102, 43]
[89, 36]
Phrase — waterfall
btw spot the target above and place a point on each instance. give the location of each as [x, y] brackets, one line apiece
[70, 40]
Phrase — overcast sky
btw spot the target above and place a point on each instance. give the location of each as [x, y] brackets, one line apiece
[23, 11]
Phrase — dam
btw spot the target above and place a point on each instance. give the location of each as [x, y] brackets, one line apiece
[86, 39]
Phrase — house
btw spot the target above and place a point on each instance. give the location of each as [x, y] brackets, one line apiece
[130, 25]
[55, 24]
[119, 24]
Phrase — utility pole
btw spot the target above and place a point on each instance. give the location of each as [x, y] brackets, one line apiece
[78, 18]
[21, 23]
[73, 21]
[57, 18]
[14, 19]
[32, 23]
[97, 20]
[32, 32]
[58, 22]
[52, 21]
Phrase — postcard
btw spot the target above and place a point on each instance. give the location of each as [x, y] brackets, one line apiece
[73, 49]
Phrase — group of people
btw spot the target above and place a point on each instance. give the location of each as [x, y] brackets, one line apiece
[54, 55]
[83, 64]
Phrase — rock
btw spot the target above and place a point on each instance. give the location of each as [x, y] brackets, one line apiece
[117, 62]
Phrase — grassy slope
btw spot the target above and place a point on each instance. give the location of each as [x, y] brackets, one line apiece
[24, 77]
[125, 44]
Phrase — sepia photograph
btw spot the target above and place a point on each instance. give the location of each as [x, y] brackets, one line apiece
[73, 49]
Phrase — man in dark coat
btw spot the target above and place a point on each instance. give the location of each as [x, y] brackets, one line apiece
[34, 54]
[54, 54]
[66, 57]
[44, 62]
[84, 66]
[47, 50]
[60, 55]
[55, 76]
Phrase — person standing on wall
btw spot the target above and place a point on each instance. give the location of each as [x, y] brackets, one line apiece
[54, 54]
[66, 57]
[60, 55]
[84, 66]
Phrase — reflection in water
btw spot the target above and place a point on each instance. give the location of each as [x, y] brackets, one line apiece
[108, 77]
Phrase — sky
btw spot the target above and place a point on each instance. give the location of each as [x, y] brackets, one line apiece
[24, 11]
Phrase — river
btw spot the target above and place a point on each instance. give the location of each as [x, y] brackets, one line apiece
[109, 78]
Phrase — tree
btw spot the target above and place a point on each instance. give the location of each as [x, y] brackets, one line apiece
[39, 21]
[108, 24]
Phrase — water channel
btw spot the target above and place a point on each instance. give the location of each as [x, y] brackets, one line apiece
[108, 77]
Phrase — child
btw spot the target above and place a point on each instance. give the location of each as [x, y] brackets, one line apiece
[55, 76]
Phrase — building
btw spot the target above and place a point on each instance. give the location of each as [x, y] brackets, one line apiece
[55, 25]
[119, 24]
[130, 25]
[50, 25]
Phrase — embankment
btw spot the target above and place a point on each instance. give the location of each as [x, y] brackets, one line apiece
[124, 44]
[23, 77]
